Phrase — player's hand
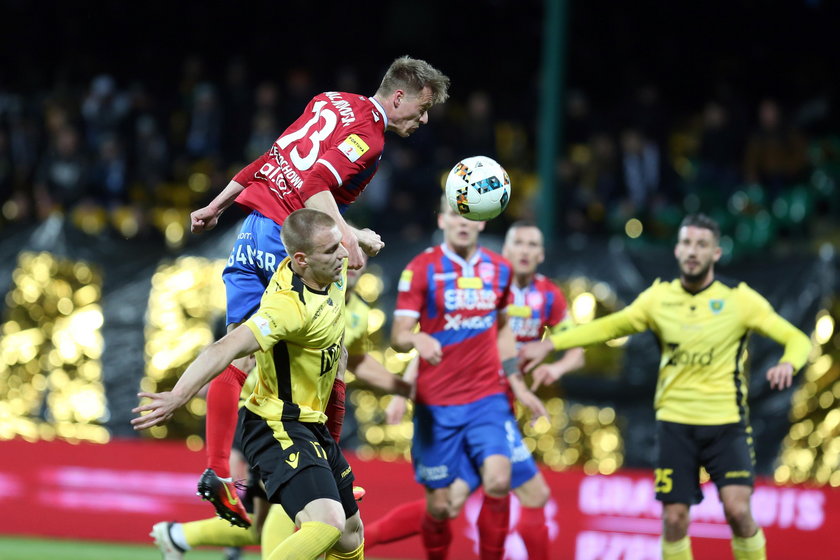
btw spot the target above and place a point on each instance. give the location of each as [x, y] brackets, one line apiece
[533, 403]
[395, 411]
[203, 219]
[355, 258]
[780, 376]
[546, 374]
[160, 408]
[531, 355]
[369, 241]
[428, 348]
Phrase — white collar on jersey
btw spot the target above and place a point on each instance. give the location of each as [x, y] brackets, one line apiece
[381, 111]
[468, 267]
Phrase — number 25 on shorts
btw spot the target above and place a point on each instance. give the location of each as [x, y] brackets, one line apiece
[663, 482]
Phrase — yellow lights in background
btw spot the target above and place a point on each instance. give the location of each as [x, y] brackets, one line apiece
[51, 344]
[633, 228]
[811, 450]
[187, 298]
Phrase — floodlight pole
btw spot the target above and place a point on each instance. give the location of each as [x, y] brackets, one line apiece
[551, 103]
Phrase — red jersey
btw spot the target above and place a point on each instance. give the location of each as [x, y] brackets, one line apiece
[340, 136]
[457, 302]
[532, 309]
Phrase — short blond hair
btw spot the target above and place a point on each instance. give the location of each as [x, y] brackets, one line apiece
[412, 75]
[300, 227]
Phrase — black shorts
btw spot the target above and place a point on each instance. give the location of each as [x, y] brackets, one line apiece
[311, 466]
[726, 451]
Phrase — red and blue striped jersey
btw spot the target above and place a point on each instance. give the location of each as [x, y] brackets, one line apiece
[532, 309]
[339, 135]
[457, 302]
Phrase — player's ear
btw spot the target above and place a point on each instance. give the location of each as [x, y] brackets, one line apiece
[717, 254]
[398, 96]
[299, 259]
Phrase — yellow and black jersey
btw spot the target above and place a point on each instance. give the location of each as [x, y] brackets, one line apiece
[703, 340]
[300, 332]
[356, 331]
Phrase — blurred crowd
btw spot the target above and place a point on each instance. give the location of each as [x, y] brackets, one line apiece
[120, 159]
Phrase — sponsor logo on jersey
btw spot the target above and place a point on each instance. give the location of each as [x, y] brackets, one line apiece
[526, 328]
[353, 147]
[716, 305]
[519, 311]
[404, 284]
[262, 324]
[685, 358]
[293, 459]
[469, 299]
[470, 283]
[458, 322]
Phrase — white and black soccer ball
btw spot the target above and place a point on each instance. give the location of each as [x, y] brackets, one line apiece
[478, 188]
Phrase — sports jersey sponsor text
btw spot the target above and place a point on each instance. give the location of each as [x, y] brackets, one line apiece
[283, 167]
[686, 358]
[469, 299]
[353, 147]
[245, 254]
[457, 322]
[527, 328]
[438, 472]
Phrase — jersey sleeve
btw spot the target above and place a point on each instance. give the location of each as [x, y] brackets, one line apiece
[356, 150]
[759, 315]
[411, 290]
[249, 172]
[559, 318]
[280, 316]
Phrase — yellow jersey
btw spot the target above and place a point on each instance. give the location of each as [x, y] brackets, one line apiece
[299, 330]
[703, 342]
[355, 334]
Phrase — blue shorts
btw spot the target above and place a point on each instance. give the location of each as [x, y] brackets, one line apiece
[253, 260]
[523, 466]
[447, 437]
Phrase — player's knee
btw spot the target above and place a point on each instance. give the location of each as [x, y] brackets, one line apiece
[496, 484]
[352, 535]
[675, 521]
[533, 495]
[737, 513]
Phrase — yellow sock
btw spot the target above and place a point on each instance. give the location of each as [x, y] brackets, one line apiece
[277, 528]
[750, 548]
[677, 550]
[218, 532]
[313, 539]
[358, 554]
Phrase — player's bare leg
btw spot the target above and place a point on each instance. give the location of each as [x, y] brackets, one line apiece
[675, 542]
[747, 537]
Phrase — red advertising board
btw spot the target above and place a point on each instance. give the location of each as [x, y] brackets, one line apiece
[117, 491]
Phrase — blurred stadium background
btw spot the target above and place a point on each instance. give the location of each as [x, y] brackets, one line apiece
[613, 119]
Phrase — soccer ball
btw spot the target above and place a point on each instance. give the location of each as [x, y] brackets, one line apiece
[478, 188]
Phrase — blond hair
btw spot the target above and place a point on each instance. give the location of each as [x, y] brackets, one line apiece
[412, 75]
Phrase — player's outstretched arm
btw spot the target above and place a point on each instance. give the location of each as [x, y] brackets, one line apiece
[205, 219]
[395, 411]
[209, 363]
[369, 370]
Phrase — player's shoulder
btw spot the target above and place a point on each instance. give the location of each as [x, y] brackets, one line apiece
[546, 284]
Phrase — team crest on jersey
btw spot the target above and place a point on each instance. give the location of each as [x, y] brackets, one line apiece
[534, 300]
[404, 284]
[353, 147]
[716, 305]
[486, 271]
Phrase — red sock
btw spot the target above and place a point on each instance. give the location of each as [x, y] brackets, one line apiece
[534, 532]
[335, 409]
[400, 523]
[220, 423]
[493, 527]
[436, 537]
